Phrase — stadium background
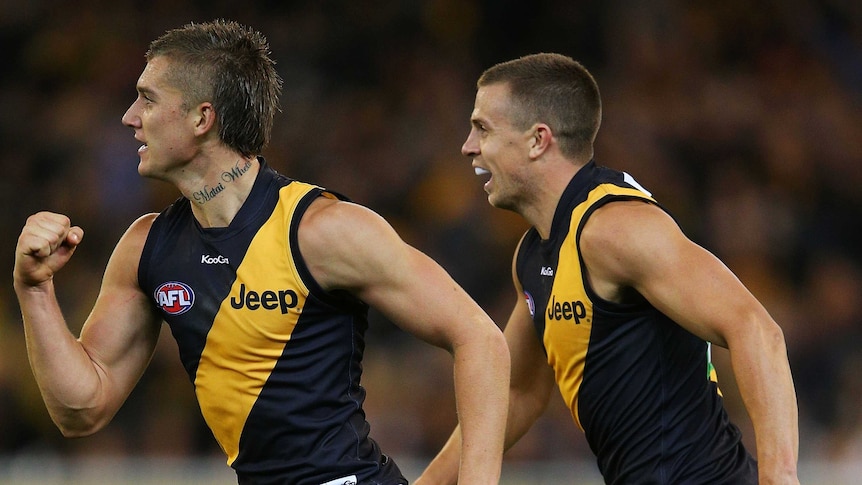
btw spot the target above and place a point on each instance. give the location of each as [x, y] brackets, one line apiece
[744, 118]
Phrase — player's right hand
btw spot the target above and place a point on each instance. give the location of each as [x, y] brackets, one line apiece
[45, 245]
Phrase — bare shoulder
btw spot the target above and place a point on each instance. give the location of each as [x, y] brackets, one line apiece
[620, 218]
[514, 266]
[140, 228]
[330, 222]
[124, 261]
[621, 239]
[344, 244]
[136, 235]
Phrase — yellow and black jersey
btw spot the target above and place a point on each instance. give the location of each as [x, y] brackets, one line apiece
[275, 360]
[640, 386]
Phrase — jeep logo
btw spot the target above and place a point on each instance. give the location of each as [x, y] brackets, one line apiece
[268, 300]
[567, 310]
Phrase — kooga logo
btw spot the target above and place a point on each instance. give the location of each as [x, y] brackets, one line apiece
[207, 259]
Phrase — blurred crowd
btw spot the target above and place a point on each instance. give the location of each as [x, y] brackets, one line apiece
[743, 118]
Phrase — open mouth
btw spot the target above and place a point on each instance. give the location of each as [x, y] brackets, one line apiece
[481, 172]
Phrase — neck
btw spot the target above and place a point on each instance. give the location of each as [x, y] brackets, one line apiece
[548, 192]
[218, 193]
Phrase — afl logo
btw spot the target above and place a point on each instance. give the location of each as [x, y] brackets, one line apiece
[174, 298]
[530, 303]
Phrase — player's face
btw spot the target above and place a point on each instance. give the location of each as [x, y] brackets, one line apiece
[161, 123]
[499, 150]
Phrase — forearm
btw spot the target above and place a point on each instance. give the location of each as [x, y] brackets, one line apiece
[481, 389]
[67, 378]
[766, 385]
[443, 469]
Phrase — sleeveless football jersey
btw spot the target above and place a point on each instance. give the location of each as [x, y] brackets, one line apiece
[640, 386]
[275, 360]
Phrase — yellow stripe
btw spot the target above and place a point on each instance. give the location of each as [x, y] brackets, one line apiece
[244, 345]
[566, 342]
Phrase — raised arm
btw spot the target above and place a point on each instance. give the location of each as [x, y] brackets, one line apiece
[350, 247]
[637, 245]
[83, 380]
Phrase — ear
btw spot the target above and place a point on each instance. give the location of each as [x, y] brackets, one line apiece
[540, 140]
[205, 118]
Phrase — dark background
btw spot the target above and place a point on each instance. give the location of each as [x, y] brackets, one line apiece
[743, 118]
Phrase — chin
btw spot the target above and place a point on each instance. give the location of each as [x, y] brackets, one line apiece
[502, 203]
[145, 170]
[495, 198]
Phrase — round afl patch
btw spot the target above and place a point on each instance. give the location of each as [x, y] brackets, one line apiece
[530, 303]
[174, 298]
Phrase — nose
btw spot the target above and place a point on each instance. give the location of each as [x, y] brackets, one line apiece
[470, 148]
[131, 118]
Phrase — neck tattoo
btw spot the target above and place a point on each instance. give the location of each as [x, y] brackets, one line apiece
[208, 193]
[236, 172]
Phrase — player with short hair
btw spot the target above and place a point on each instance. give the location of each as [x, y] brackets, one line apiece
[616, 305]
[265, 282]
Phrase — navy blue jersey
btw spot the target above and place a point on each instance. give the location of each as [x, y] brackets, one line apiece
[275, 360]
[640, 386]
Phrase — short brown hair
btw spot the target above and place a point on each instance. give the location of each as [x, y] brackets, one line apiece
[553, 89]
[229, 65]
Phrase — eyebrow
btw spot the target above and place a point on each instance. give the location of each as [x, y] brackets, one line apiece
[479, 121]
[145, 91]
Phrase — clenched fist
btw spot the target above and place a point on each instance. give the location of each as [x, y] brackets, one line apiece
[45, 245]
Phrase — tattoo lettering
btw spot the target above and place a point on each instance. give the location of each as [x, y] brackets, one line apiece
[236, 172]
[207, 193]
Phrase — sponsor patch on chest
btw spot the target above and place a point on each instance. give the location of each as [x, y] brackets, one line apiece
[282, 300]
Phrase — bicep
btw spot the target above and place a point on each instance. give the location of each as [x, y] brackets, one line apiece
[350, 247]
[419, 296]
[121, 331]
[700, 293]
[640, 246]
